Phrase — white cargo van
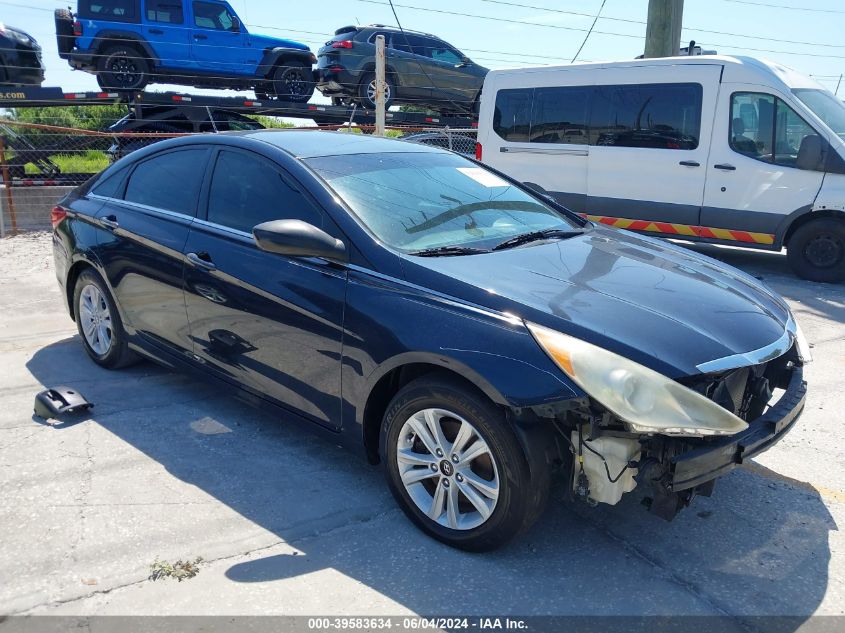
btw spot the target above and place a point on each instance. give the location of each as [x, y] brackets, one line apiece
[727, 150]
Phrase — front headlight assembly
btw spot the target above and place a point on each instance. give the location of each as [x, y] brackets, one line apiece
[647, 401]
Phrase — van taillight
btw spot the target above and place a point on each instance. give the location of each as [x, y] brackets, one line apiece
[77, 28]
[478, 151]
[57, 214]
[342, 44]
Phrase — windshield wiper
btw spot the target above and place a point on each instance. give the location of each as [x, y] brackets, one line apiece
[536, 236]
[445, 251]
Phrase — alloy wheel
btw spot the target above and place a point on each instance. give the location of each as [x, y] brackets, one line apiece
[447, 469]
[371, 92]
[95, 318]
[124, 71]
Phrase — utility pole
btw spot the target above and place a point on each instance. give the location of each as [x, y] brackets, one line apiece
[380, 116]
[663, 30]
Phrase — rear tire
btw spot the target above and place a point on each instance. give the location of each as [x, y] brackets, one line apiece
[122, 67]
[293, 81]
[367, 95]
[816, 251]
[99, 324]
[480, 473]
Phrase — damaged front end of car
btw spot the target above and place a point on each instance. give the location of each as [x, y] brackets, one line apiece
[675, 437]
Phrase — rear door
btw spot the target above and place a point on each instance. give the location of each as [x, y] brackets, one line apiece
[650, 129]
[145, 223]
[164, 28]
[753, 178]
[407, 58]
[539, 136]
[268, 322]
[218, 44]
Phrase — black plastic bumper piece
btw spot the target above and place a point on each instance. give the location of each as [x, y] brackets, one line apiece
[702, 464]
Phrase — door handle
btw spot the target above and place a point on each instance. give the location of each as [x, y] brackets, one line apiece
[110, 222]
[197, 36]
[690, 163]
[156, 31]
[725, 166]
[201, 260]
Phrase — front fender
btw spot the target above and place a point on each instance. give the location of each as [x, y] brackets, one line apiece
[274, 56]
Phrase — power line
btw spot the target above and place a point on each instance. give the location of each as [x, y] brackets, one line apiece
[587, 36]
[782, 6]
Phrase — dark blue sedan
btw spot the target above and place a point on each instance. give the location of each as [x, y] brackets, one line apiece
[476, 338]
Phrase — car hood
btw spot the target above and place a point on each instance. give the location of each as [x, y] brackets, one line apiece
[264, 41]
[648, 300]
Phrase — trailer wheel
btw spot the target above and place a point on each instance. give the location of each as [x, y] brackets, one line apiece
[65, 39]
[816, 251]
[122, 67]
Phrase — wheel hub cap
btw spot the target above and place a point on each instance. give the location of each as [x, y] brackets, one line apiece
[447, 469]
[95, 319]
[824, 251]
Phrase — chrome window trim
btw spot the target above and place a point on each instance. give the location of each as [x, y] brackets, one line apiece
[754, 357]
[143, 207]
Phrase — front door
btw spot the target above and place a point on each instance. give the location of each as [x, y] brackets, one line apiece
[147, 219]
[649, 139]
[164, 28]
[219, 41]
[268, 322]
[753, 177]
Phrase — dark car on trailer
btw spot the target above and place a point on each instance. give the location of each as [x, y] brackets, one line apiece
[20, 58]
[421, 70]
[475, 337]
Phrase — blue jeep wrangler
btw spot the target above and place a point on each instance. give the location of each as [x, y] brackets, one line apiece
[201, 43]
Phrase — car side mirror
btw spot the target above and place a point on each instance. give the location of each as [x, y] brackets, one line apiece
[811, 153]
[465, 61]
[236, 24]
[296, 238]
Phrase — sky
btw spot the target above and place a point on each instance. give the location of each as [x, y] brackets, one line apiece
[509, 33]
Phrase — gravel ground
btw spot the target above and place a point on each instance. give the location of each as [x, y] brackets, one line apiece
[165, 468]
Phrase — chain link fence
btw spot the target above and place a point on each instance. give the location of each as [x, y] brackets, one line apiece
[41, 163]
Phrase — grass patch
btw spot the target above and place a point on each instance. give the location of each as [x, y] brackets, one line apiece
[88, 162]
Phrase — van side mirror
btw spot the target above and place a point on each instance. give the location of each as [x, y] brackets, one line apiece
[296, 238]
[811, 153]
[236, 24]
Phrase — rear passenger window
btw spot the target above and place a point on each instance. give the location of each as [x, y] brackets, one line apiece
[559, 115]
[116, 10]
[247, 190]
[663, 116]
[512, 115]
[169, 181]
[165, 11]
[112, 185]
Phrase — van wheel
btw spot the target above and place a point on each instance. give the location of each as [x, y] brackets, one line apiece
[122, 68]
[455, 466]
[99, 324]
[816, 251]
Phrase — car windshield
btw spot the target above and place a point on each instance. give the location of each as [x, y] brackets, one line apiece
[825, 106]
[418, 200]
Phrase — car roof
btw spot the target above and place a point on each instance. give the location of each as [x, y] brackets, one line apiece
[313, 143]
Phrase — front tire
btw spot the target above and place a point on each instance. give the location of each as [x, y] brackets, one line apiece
[816, 251]
[293, 81]
[456, 467]
[122, 68]
[99, 324]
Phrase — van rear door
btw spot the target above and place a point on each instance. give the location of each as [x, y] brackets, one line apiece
[650, 129]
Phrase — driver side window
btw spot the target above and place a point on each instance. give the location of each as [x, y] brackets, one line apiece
[765, 128]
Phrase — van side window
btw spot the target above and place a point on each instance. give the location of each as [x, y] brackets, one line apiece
[661, 116]
[767, 129]
[512, 115]
[559, 115]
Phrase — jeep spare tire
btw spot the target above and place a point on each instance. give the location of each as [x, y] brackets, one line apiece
[65, 39]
